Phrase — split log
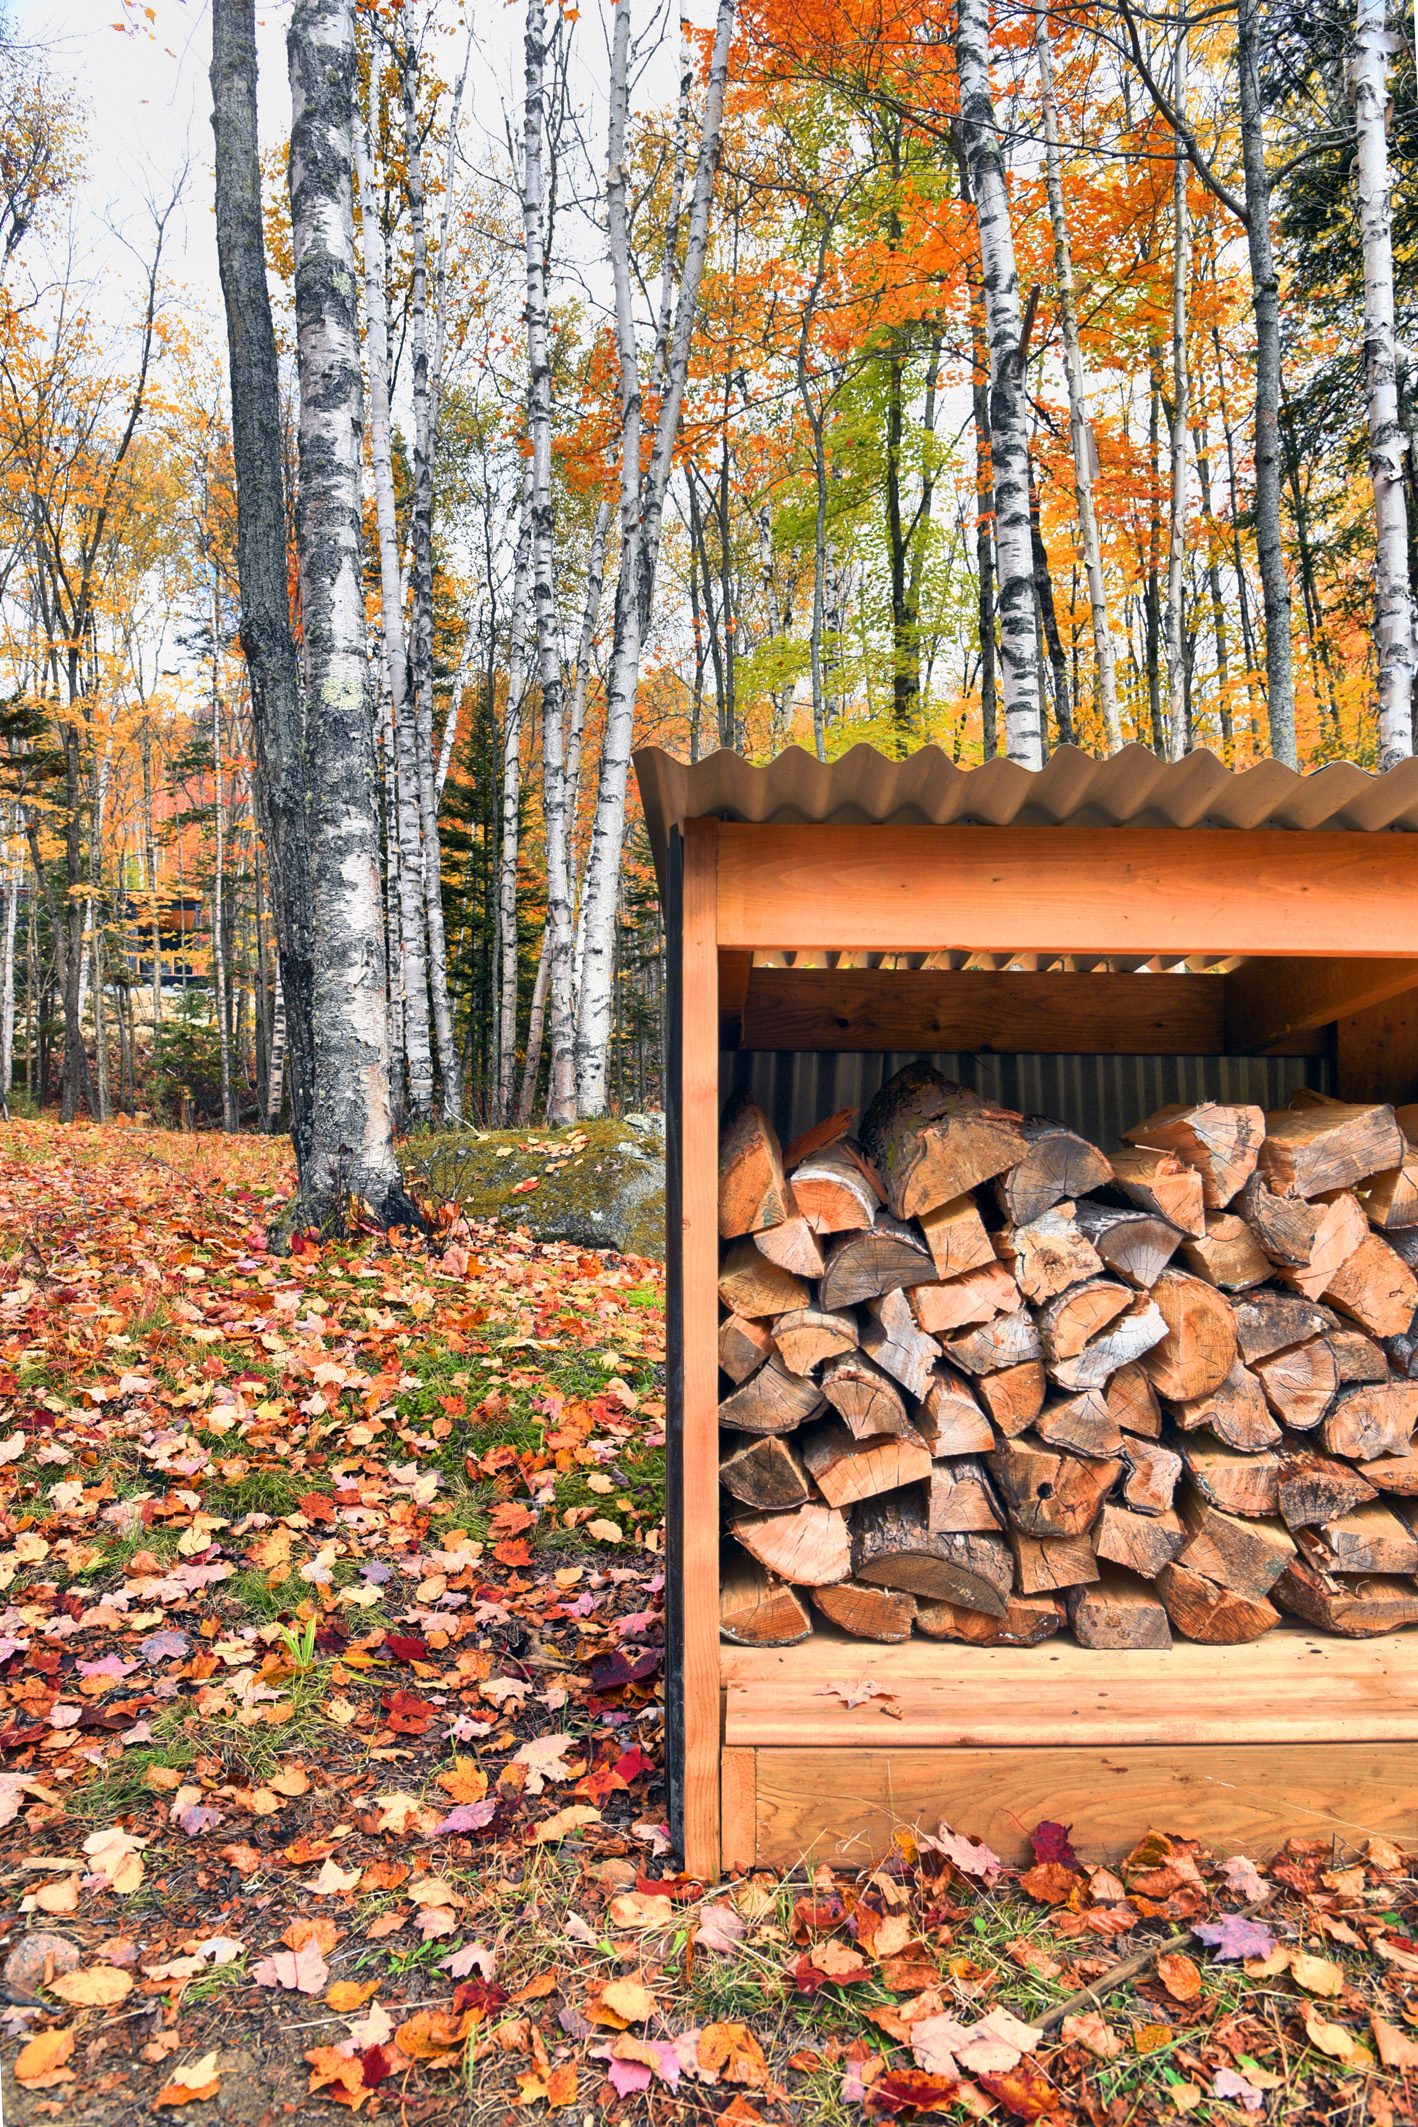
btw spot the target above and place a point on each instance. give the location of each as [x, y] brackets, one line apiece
[1130, 1336]
[1268, 1322]
[1313, 1489]
[1199, 1348]
[961, 1497]
[1144, 1543]
[1009, 1340]
[1119, 1615]
[1234, 1411]
[1013, 1397]
[1284, 1226]
[862, 1265]
[792, 1246]
[867, 1613]
[1132, 1401]
[949, 1419]
[1152, 1476]
[1071, 1320]
[743, 1347]
[893, 1544]
[1161, 1183]
[1081, 1423]
[1057, 1164]
[846, 1469]
[1340, 1231]
[1045, 1563]
[867, 1398]
[1047, 1492]
[1393, 1473]
[1357, 1357]
[1300, 1383]
[750, 1285]
[932, 1140]
[1221, 1141]
[956, 1237]
[1390, 1199]
[1375, 1288]
[1358, 1609]
[1237, 1483]
[1049, 1254]
[1313, 1149]
[810, 1334]
[853, 1149]
[976, 1296]
[771, 1401]
[890, 1335]
[833, 1194]
[1371, 1539]
[1246, 1556]
[1228, 1255]
[763, 1471]
[1378, 1419]
[809, 1546]
[1027, 1620]
[1216, 1616]
[755, 1608]
[753, 1194]
[1136, 1245]
[818, 1138]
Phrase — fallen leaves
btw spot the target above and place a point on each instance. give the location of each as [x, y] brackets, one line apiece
[93, 1987]
[41, 2062]
[302, 1971]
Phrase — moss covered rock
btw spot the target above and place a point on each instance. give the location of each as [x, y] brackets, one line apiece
[598, 1184]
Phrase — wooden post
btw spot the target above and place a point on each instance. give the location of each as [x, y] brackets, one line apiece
[699, 1448]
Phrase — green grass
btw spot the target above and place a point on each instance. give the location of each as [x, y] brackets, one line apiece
[122, 1789]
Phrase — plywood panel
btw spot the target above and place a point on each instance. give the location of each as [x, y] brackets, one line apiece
[1268, 1001]
[1376, 1052]
[844, 1807]
[1068, 890]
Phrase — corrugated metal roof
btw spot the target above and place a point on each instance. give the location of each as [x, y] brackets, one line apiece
[1128, 789]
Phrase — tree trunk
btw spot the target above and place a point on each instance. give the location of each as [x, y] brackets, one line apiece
[14, 872]
[1154, 537]
[511, 814]
[590, 614]
[1174, 626]
[230, 1120]
[1213, 580]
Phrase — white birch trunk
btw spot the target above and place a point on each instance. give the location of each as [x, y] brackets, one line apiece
[450, 725]
[276, 1067]
[14, 872]
[1174, 619]
[1009, 411]
[511, 814]
[1374, 43]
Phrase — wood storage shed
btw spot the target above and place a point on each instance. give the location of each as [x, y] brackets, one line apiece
[1108, 944]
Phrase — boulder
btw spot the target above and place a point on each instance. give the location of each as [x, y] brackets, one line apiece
[598, 1184]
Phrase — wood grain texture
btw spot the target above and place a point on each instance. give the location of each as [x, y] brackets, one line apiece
[1376, 1052]
[1268, 1000]
[737, 1804]
[1109, 890]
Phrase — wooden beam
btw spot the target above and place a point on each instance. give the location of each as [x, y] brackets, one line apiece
[734, 971]
[1376, 1052]
[1268, 999]
[1069, 890]
[1030, 1014]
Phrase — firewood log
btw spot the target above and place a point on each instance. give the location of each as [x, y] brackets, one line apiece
[792, 1246]
[846, 1469]
[1220, 1141]
[1047, 1492]
[1375, 1288]
[932, 1140]
[1340, 1231]
[1142, 1542]
[818, 1138]
[890, 1335]
[1268, 1322]
[763, 1471]
[955, 1234]
[1057, 1164]
[833, 1194]
[1369, 1539]
[1237, 1483]
[1310, 1150]
[1161, 1183]
[1199, 1348]
[1244, 1555]
[1152, 1474]
[853, 1148]
[1216, 1616]
[809, 1546]
[1071, 1320]
[1135, 1245]
[1130, 1336]
[866, 1612]
[1132, 1401]
[810, 1334]
[1013, 1397]
[1120, 1614]
[1393, 1473]
[1300, 1383]
[861, 1265]
[1357, 1357]
[771, 1401]
[1284, 1226]
[861, 1393]
[1027, 1620]
[976, 1296]
[755, 1608]
[1228, 1255]
[961, 1497]
[1376, 1419]
[1313, 1489]
[1234, 1411]
[1390, 1199]
[949, 1419]
[1009, 1340]
[1081, 1423]
[750, 1285]
[1358, 1609]
[893, 1544]
[743, 1347]
[1045, 1563]
[753, 1193]
[1048, 1254]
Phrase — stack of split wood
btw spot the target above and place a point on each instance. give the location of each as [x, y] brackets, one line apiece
[981, 1377]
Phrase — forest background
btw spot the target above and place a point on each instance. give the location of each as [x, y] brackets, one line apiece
[997, 383]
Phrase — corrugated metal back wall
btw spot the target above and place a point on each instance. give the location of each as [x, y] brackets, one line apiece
[1099, 1096]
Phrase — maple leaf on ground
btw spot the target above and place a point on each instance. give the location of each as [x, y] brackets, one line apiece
[1179, 1976]
[1025, 2091]
[302, 1971]
[909, 2091]
[972, 1859]
[1050, 1842]
[1245, 1879]
[1230, 2083]
[730, 2053]
[467, 1817]
[720, 1928]
[470, 1957]
[1050, 1883]
[1234, 1937]
[854, 1694]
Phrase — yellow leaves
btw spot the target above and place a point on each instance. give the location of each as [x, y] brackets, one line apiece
[292, 1780]
[572, 1819]
[1333, 2039]
[1179, 1976]
[1093, 2034]
[346, 1995]
[629, 2000]
[117, 1855]
[464, 1781]
[94, 1987]
[41, 2063]
[1317, 1975]
[191, 2084]
[1395, 2050]
[730, 2053]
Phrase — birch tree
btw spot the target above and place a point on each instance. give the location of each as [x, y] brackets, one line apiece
[512, 812]
[1174, 619]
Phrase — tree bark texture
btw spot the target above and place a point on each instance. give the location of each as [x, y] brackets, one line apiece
[1174, 620]
[511, 812]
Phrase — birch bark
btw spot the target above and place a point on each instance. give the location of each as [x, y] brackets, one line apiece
[1009, 435]
[14, 872]
[511, 814]
[1174, 619]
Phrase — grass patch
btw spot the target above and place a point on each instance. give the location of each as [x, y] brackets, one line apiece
[115, 1792]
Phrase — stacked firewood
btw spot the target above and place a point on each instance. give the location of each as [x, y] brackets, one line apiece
[983, 1378]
